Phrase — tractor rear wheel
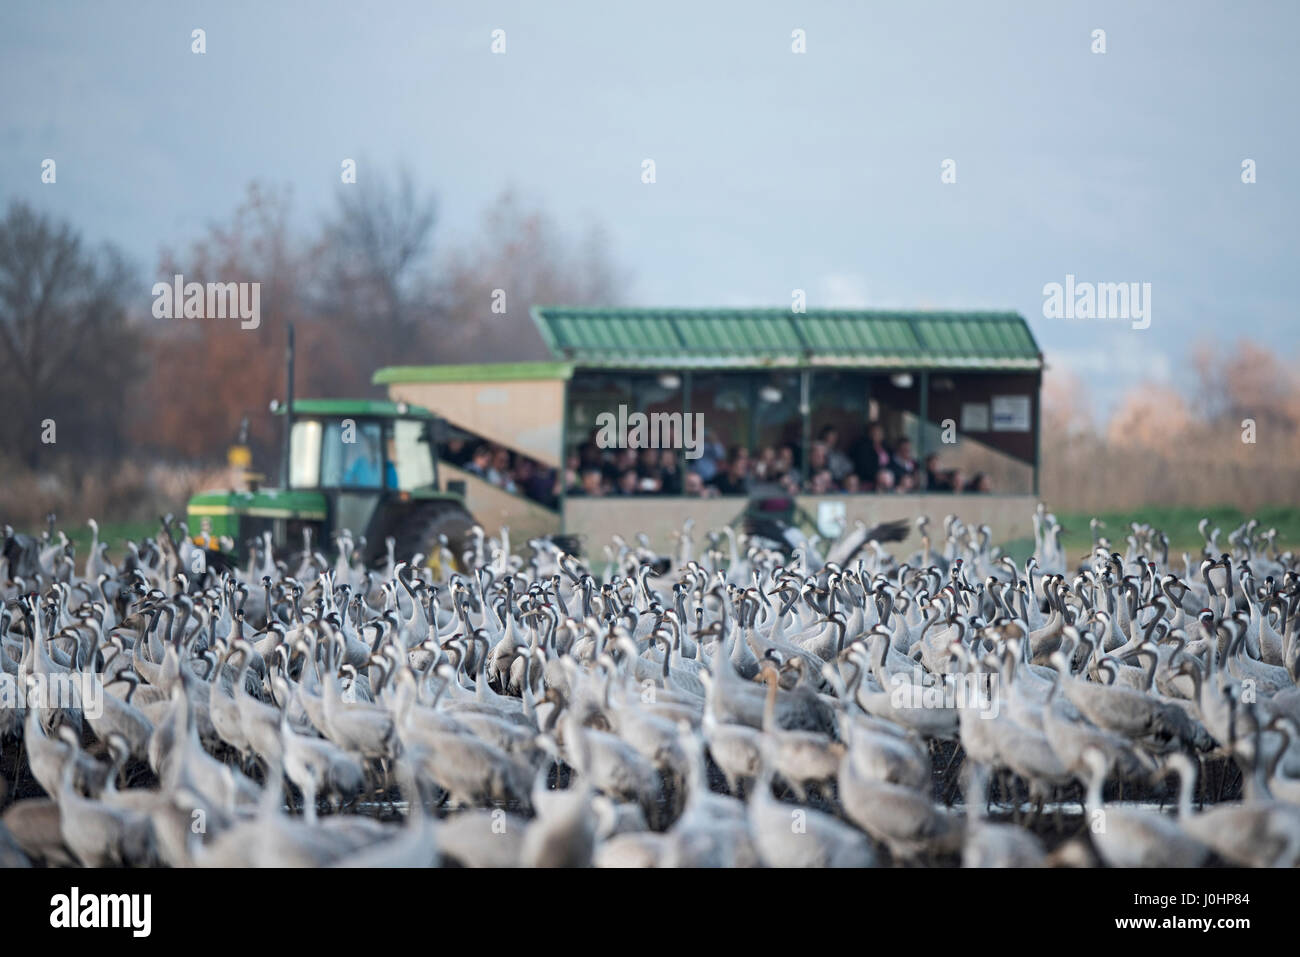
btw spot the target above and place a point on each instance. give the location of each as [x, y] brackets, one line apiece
[452, 522]
[418, 528]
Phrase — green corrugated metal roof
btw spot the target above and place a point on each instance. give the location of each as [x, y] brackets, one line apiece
[720, 338]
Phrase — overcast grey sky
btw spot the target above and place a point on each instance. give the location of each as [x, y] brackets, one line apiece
[775, 171]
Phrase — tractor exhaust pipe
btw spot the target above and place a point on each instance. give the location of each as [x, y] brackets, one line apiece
[288, 411]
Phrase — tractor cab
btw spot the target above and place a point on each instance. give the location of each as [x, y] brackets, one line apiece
[366, 466]
[362, 449]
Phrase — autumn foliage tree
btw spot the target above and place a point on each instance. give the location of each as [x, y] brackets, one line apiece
[364, 291]
[209, 374]
[1229, 435]
[519, 259]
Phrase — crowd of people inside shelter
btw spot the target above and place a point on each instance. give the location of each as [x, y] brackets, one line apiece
[872, 464]
[509, 471]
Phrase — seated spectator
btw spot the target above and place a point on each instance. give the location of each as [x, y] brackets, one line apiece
[839, 463]
[979, 483]
[734, 480]
[872, 454]
[695, 487]
[765, 466]
[935, 479]
[712, 455]
[548, 485]
[818, 457]
[821, 483]
[500, 472]
[957, 480]
[907, 482]
[670, 473]
[480, 462]
[572, 465]
[593, 483]
[786, 460]
[622, 460]
[651, 475]
[457, 451]
[885, 480]
[903, 461]
[629, 483]
[537, 483]
[852, 484]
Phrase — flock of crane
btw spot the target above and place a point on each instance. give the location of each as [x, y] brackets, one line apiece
[744, 703]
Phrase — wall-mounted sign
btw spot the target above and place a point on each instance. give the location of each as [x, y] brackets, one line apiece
[831, 518]
[1011, 413]
[974, 417]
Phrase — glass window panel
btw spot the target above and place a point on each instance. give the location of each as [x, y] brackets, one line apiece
[725, 400]
[777, 429]
[628, 461]
[414, 458]
[357, 463]
[304, 454]
[840, 411]
[864, 431]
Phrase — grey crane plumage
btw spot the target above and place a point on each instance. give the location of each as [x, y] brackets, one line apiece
[678, 712]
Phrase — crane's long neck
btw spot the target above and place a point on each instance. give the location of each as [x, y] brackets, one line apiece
[1095, 785]
[1186, 788]
[769, 704]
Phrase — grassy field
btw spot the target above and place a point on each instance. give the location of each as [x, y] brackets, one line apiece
[1178, 522]
[117, 534]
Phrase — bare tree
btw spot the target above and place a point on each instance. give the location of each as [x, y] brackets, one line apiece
[521, 259]
[67, 351]
[372, 262]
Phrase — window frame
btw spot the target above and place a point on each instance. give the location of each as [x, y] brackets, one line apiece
[387, 431]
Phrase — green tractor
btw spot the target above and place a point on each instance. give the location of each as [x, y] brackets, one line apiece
[364, 465]
[367, 466]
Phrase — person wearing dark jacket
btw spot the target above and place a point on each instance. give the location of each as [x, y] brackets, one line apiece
[734, 479]
[903, 462]
[935, 480]
[872, 454]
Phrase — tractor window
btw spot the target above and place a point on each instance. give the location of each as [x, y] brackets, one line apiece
[352, 455]
[304, 454]
[414, 455]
